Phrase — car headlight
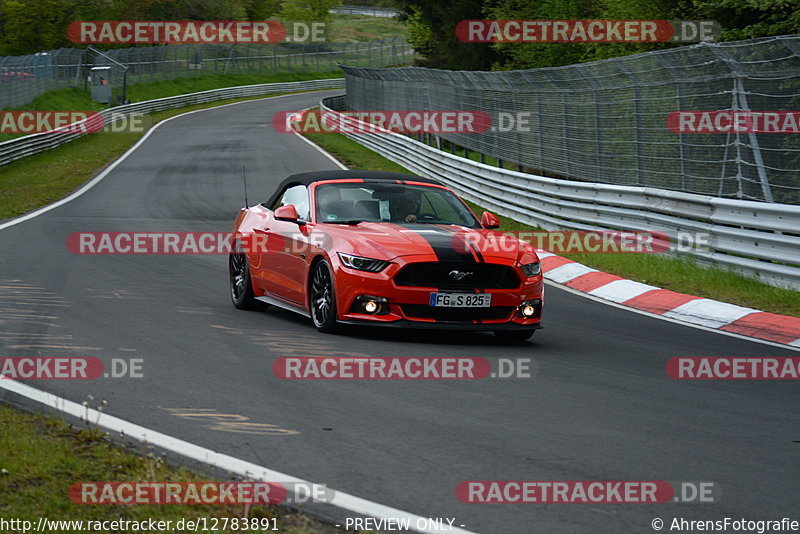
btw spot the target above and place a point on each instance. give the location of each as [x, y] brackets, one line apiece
[532, 269]
[363, 264]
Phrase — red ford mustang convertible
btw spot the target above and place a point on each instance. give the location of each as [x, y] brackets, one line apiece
[379, 248]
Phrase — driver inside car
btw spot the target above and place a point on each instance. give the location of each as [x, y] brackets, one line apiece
[330, 206]
[406, 207]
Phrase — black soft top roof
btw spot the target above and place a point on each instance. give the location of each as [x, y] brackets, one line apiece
[308, 178]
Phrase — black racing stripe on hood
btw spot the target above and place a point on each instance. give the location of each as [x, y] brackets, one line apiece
[445, 245]
[468, 245]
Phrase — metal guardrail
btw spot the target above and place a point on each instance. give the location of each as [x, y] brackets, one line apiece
[368, 11]
[40, 142]
[745, 236]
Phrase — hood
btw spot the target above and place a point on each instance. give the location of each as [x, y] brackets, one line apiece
[447, 242]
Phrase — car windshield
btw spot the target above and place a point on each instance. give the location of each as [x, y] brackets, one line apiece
[350, 203]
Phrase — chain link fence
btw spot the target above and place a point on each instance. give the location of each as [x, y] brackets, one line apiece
[606, 121]
[23, 78]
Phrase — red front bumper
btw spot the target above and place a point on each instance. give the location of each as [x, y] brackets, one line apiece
[408, 306]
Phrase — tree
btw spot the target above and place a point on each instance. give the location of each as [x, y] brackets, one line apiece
[263, 9]
[432, 25]
[746, 19]
[310, 10]
[37, 25]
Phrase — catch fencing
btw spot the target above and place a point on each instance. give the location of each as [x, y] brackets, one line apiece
[606, 121]
[23, 78]
[758, 239]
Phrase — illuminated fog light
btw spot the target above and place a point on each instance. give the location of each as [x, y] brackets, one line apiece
[530, 309]
[371, 305]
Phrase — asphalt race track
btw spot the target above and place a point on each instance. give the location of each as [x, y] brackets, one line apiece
[599, 405]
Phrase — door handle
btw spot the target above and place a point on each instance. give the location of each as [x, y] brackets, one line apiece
[261, 230]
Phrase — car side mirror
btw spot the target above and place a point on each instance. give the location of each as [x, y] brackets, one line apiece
[287, 213]
[490, 220]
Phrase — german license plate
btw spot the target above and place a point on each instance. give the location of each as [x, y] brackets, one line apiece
[461, 300]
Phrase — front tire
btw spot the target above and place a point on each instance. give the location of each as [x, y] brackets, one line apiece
[241, 286]
[322, 301]
[516, 336]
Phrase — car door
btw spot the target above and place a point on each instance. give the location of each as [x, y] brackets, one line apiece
[283, 266]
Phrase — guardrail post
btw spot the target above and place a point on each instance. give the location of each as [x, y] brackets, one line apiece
[540, 128]
[568, 151]
[637, 114]
[724, 168]
[598, 131]
[740, 102]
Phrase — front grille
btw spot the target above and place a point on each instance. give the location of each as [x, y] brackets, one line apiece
[437, 274]
[421, 311]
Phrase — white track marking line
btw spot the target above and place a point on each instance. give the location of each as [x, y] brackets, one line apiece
[794, 346]
[567, 272]
[317, 147]
[709, 312]
[621, 290]
[209, 457]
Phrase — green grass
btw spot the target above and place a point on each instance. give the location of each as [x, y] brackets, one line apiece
[41, 457]
[38, 180]
[352, 28]
[683, 275]
[178, 86]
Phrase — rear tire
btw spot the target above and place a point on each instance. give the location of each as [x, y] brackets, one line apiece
[241, 286]
[322, 299]
[516, 336]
